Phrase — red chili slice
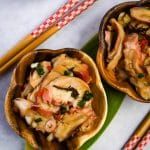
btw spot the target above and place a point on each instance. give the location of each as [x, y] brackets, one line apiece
[57, 116]
[49, 68]
[38, 95]
[46, 96]
[143, 43]
[84, 73]
[56, 102]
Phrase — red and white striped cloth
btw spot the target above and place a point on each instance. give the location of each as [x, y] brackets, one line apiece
[130, 145]
[145, 140]
[75, 13]
[56, 16]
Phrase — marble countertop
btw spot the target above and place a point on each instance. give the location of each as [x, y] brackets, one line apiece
[19, 18]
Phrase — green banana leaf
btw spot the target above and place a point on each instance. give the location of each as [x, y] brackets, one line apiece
[115, 98]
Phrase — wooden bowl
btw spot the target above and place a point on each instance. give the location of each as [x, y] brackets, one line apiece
[17, 80]
[109, 77]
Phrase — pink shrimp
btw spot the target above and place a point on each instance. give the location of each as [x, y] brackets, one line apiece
[50, 125]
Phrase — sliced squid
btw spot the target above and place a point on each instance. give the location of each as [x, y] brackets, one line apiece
[141, 14]
[116, 54]
[23, 105]
[68, 124]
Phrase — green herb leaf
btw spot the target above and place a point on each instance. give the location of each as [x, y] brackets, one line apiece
[81, 103]
[68, 73]
[63, 109]
[38, 120]
[86, 97]
[74, 92]
[140, 75]
[40, 70]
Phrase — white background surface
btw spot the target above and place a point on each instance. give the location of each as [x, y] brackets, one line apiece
[18, 18]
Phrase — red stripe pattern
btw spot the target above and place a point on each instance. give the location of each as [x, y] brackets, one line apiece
[75, 13]
[48, 22]
[131, 143]
[145, 140]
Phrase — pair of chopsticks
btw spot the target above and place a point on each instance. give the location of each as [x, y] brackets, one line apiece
[141, 136]
[64, 15]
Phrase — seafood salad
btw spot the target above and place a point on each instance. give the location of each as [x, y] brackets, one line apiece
[56, 99]
[128, 48]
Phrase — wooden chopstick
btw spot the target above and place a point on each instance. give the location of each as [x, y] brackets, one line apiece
[29, 48]
[138, 134]
[42, 37]
[31, 37]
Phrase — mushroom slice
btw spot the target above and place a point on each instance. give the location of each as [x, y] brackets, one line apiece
[141, 14]
[116, 53]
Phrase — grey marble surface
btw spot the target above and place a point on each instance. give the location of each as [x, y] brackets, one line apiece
[18, 18]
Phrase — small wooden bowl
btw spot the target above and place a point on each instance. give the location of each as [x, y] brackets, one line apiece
[19, 75]
[109, 77]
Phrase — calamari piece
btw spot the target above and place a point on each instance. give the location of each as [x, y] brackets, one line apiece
[142, 86]
[68, 124]
[64, 60]
[23, 105]
[50, 77]
[116, 54]
[27, 89]
[141, 14]
[68, 89]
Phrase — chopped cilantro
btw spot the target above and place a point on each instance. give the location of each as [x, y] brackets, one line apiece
[74, 92]
[63, 109]
[86, 97]
[38, 120]
[140, 75]
[40, 70]
[68, 73]
[81, 103]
